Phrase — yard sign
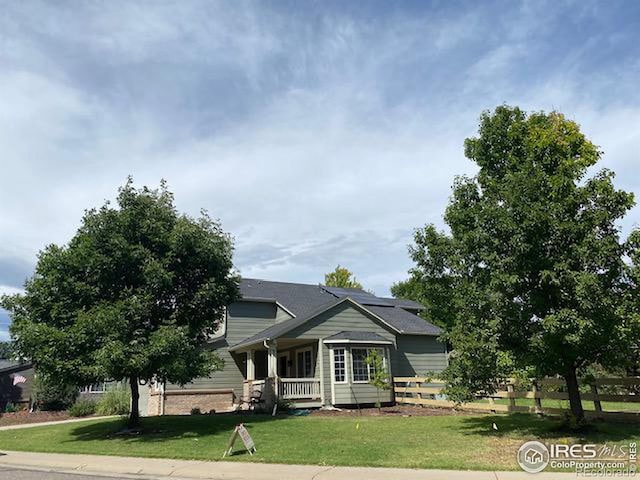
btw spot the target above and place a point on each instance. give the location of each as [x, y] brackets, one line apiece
[243, 433]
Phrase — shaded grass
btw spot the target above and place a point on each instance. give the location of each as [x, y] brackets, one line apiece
[448, 442]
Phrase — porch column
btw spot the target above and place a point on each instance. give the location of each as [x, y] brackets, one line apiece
[272, 360]
[251, 366]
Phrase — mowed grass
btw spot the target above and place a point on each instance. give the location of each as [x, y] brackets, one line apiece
[586, 404]
[447, 442]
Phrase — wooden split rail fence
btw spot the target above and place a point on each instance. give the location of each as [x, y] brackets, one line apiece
[428, 392]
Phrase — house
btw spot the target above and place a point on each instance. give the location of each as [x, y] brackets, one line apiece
[306, 344]
[18, 393]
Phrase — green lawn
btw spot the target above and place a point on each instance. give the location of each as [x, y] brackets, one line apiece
[586, 404]
[449, 442]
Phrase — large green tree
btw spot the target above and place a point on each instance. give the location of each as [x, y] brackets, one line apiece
[134, 295]
[532, 269]
[341, 277]
[6, 350]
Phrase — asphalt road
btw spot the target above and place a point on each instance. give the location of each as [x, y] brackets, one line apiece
[7, 473]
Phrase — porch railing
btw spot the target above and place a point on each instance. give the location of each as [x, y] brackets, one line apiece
[299, 388]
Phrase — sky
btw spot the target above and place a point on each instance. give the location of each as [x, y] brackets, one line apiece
[319, 133]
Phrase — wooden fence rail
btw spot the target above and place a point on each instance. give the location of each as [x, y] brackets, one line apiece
[428, 392]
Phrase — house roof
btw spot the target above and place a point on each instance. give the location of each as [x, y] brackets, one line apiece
[371, 337]
[307, 301]
[6, 365]
[404, 303]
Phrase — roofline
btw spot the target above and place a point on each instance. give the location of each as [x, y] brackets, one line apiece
[22, 366]
[320, 311]
[344, 340]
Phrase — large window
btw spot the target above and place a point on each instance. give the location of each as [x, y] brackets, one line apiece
[359, 365]
[361, 371]
[339, 365]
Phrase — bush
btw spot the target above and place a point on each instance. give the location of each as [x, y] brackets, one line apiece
[49, 395]
[82, 408]
[196, 411]
[10, 408]
[114, 402]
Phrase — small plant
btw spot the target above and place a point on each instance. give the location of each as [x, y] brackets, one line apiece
[196, 411]
[10, 408]
[114, 402]
[378, 374]
[82, 408]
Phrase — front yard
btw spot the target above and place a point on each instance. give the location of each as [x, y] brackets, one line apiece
[448, 442]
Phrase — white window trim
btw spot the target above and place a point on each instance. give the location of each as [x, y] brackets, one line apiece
[313, 366]
[333, 367]
[89, 388]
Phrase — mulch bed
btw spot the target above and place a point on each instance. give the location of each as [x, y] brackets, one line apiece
[392, 411]
[22, 417]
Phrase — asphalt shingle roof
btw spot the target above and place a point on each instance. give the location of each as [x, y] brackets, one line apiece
[306, 301]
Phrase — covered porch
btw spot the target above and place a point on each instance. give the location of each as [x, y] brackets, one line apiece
[285, 370]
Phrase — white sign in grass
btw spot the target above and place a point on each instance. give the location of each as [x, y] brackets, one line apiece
[242, 432]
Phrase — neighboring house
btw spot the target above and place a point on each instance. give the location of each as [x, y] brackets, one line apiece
[308, 344]
[20, 394]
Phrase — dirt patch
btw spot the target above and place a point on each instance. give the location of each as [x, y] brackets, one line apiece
[23, 417]
[393, 411]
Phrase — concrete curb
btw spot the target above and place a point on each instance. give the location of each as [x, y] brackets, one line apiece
[133, 467]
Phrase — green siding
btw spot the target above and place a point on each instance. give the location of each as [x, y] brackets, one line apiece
[282, 315]
[342, 317]
[243, 320]
[409, 354]
[418, 355]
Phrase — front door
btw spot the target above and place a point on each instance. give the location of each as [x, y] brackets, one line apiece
[283, 365]
[304, 363]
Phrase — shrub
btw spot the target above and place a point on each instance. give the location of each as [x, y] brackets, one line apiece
[49, 395]
[10, 408]
[82, 408]
[114, 402]
[196, 411]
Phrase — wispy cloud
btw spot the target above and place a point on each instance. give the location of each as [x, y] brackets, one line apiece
[319, 133]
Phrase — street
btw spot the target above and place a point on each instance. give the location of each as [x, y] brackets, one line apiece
[7, 473]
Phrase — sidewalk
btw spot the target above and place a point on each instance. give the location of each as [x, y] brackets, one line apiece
[191, 469]
[55, 422]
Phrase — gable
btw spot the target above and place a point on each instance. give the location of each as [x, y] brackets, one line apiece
[341, 317]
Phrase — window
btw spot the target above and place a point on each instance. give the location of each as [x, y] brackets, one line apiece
[304, 363]
[339, 365]
[359, 365]
[94, 388]
[361, 371]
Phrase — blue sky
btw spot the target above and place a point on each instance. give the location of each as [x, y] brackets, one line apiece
[320, 133]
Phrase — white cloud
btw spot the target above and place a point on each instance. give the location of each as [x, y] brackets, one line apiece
[318, 137]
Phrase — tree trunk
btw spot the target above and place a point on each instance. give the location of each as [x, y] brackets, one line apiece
[575, 402]
[134, 416]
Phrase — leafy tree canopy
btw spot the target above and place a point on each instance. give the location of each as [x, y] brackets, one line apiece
[531, 273]
[342, 278]
[6, 350]
[133, 295]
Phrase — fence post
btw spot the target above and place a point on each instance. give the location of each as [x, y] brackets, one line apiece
[537, 401]
[596, 399]
[419, 394]
[512, 400]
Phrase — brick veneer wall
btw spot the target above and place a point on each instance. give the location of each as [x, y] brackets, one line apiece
[181, 402]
